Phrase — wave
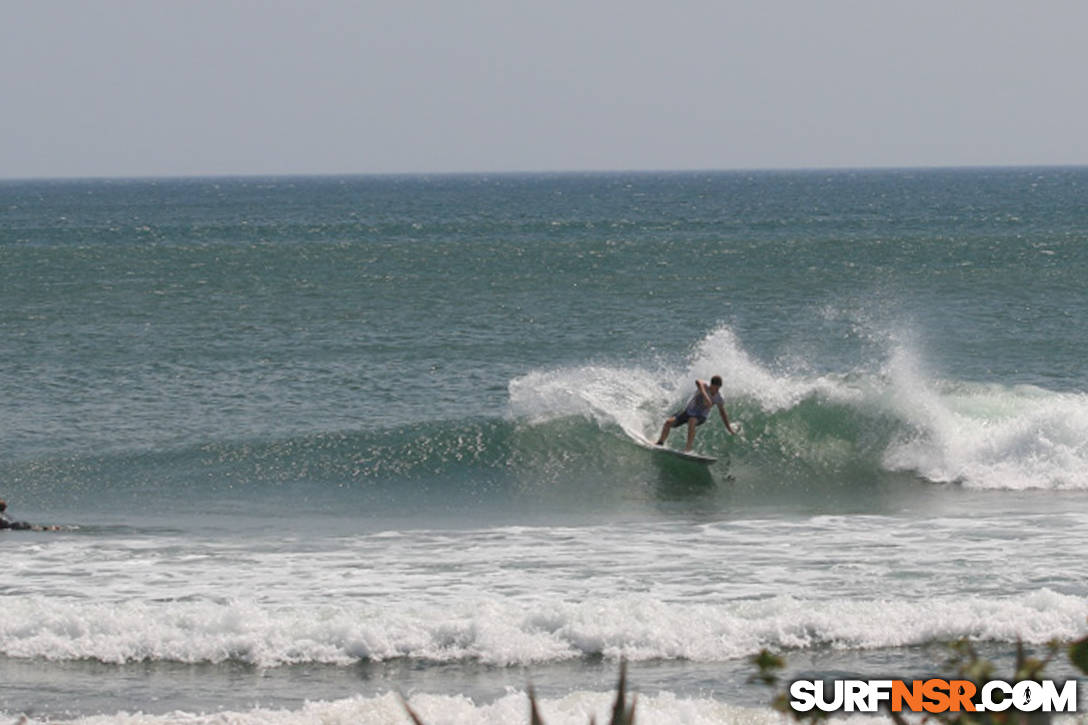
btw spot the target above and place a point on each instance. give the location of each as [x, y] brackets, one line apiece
[888, 416]
[504, 632]
[891, 416]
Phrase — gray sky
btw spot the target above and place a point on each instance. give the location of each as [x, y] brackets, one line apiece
[194, 87]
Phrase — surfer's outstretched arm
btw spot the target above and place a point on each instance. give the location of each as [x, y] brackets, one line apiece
[725, 419]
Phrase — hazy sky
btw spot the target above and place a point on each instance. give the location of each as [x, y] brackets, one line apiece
[194, 87]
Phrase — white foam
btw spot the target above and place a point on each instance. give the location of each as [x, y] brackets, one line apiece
[637, 399]
[721, 353]
[988, 435]
[627, 397]
[505, 632]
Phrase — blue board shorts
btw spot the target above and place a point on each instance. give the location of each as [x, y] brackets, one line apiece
[683, 416]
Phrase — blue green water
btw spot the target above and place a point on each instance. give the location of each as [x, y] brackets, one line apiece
[247, 401]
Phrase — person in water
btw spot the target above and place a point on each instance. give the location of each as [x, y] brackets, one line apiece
[7, 523]
[706, 396]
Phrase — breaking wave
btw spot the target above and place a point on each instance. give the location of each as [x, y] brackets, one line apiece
[890, 415]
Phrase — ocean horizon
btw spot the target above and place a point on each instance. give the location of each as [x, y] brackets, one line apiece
[542, 172]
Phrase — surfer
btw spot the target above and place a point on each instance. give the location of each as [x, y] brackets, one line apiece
[7, 523]
[695, 414]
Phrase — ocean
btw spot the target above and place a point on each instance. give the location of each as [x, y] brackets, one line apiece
[314, 444]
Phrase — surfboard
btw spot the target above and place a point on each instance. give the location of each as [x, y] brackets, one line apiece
[665, 450]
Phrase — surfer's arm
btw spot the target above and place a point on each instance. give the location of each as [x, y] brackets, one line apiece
[725, 419]
[702, 391]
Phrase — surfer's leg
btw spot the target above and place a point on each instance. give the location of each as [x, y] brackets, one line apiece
[691, 433]
[665, 431]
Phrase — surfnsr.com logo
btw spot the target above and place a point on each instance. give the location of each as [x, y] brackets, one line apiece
[932, 696]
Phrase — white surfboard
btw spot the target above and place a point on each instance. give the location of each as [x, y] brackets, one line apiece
[664, 450]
